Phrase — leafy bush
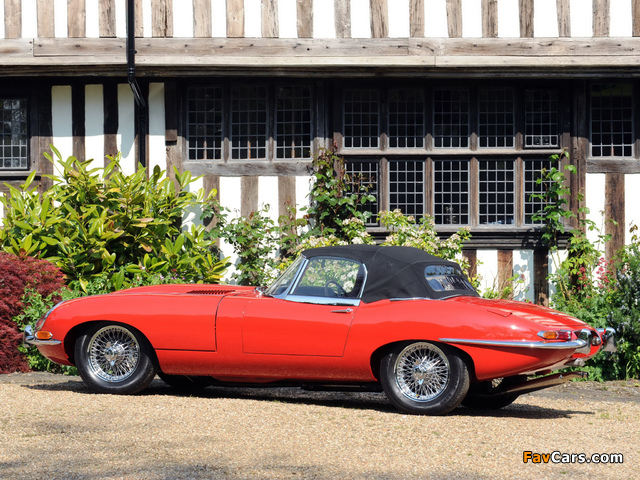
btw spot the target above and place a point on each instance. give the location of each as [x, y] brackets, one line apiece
[96, 223]
[601, 293]
[20, 274]
[335, 197]
[255, 241]
[405, 231]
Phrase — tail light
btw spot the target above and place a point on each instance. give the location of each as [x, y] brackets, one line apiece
[562, 335]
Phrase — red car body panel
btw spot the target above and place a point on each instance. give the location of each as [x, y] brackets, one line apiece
[238, 334]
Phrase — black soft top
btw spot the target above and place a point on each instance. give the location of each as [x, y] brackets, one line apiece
[393, 272]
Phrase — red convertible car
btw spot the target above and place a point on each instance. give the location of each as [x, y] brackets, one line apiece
[391, 319]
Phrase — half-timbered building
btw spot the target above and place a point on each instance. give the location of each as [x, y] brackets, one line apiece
[447, 107]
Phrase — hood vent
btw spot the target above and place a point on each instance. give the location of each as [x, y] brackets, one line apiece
[211, 292]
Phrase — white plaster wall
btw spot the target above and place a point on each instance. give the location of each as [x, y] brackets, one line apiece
[218, 18]
[632, 203]
[545, 18]
[1, 16]
[94, 124]
[157, 149]
[230, 196]
[29, 19]
[60, 18]
[61, 119]
[268, 195]
[121, 18]
[193, 214]
[471, 18]
[435, 18]
[252, 18]
[324, 20]
[487, 269]
[523, 266]
[508, 19]
[92, 19]
[621, 20]
[594, 198]
[183, 19]
[581, 18]
[147, 21]
[360, 19]
[555, 260]
[287, 19]
[303, 187]
[399, 25]
[126, 129]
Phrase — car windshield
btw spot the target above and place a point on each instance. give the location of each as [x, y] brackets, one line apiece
[284, 281]
[443, 278]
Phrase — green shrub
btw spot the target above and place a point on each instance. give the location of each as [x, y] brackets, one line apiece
[335, 197]
[255, 241]
[601, 293]
[100, 223]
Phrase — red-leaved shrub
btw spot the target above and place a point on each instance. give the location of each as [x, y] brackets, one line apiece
[18, 273]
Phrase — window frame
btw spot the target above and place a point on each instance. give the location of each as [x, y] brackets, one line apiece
[31, 124]
[473, 153]
[242, 164]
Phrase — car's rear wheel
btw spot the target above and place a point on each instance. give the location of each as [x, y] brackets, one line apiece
[424, 378]
[112, 358]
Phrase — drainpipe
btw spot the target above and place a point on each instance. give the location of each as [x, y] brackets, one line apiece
[141, 105]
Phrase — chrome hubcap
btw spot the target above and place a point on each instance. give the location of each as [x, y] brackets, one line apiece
[422, 372]
[114, 353]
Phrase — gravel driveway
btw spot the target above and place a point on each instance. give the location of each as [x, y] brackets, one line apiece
[53, 427]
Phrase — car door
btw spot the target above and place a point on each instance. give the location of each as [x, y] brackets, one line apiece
[313, 317]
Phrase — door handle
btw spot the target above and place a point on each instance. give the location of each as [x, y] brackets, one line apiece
[346, 310]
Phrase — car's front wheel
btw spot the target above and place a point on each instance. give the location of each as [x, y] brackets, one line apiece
[113, 358]
[424, 378]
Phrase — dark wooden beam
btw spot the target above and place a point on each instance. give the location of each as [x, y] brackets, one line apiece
[540, 274]
[78, 120]
[614, 213]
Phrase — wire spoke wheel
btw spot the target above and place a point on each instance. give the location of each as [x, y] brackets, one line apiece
[422, 372]
[114, 353]
[423, 378]
[114, 358]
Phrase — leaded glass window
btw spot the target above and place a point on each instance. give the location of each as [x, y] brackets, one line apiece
[15, 136]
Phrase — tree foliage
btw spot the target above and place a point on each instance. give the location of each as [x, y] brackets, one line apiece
[97, 222]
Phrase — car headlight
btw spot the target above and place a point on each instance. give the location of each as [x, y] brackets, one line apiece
[40, 322]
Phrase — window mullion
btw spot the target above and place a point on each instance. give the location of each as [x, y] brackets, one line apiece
[271, 122]
[226, 122]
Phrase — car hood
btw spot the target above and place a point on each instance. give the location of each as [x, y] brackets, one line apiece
[185, 289]
[546, 317]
